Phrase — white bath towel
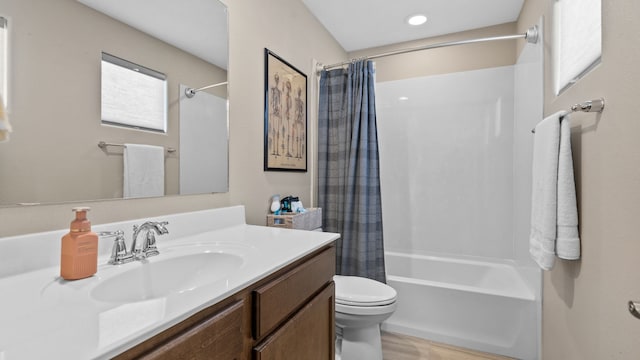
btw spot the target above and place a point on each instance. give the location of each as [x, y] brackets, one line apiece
[567, 236]
[554, 216]
[143, 171]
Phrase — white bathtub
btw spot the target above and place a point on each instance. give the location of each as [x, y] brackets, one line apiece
[484, 306]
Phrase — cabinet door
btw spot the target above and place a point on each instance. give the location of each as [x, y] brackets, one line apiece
[218, 337]
[280, 298]
[308, 335]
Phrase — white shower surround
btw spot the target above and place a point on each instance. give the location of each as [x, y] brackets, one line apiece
[451, 141]
[455, 162]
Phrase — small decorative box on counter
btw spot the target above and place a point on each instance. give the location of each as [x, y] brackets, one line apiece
[308, 220]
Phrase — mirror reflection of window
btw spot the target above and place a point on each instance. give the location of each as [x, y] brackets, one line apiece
[4, 55]
[5, 127]
[132, 95]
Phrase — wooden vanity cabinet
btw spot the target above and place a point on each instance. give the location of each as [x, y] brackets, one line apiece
[308, 335]
[288, 315]
[216, 337]
[294, 313]
[219, 332]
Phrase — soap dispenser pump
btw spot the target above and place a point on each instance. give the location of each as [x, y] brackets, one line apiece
[79, 255]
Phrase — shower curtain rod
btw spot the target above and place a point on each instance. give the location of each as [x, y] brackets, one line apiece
[190, 92]
[531, 36]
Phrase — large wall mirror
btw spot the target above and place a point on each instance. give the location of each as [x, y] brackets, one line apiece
[53, 96]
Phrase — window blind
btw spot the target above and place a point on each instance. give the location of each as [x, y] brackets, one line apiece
[132, 95]
[577, 39]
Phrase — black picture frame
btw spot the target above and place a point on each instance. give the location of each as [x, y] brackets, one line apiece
[285, 115]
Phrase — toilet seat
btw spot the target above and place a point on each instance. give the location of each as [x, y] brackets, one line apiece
[354, 291]
[366, 310]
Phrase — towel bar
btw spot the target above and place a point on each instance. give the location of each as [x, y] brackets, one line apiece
[103, 145]
[596, 105]
[589, 106]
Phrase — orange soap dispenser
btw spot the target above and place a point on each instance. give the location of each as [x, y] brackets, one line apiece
[79, 255]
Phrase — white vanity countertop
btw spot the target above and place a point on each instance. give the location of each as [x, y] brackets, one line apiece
[44, 317]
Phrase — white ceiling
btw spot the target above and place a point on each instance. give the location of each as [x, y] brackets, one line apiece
[198, 27]
[362, 24]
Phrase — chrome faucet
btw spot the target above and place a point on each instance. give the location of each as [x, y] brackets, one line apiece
[148, 247]
[119, 254]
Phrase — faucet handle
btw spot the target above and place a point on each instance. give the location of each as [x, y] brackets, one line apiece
[164, 223]
[119, 254]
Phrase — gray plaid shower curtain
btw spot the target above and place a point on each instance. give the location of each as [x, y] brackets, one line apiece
[348, 169]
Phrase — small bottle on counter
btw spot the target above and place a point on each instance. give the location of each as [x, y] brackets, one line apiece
[79, 255]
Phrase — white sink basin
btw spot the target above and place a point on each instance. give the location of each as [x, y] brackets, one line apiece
[159, 277]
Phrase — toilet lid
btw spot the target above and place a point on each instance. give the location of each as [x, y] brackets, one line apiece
[359, 291]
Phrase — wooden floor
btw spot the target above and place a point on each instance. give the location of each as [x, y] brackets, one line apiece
[403, 347]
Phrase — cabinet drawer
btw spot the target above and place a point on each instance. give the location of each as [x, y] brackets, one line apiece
[217, 337]
[275, 301]
[309, 335]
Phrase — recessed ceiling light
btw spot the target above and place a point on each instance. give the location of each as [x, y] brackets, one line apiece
[416, 20]
[403, 98]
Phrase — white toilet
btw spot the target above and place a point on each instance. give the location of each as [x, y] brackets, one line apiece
[361, 305]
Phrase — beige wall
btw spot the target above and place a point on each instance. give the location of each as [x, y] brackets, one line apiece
[254, 25]
[448, 59]
[288, 29]
[54, 101]
[585, 315]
